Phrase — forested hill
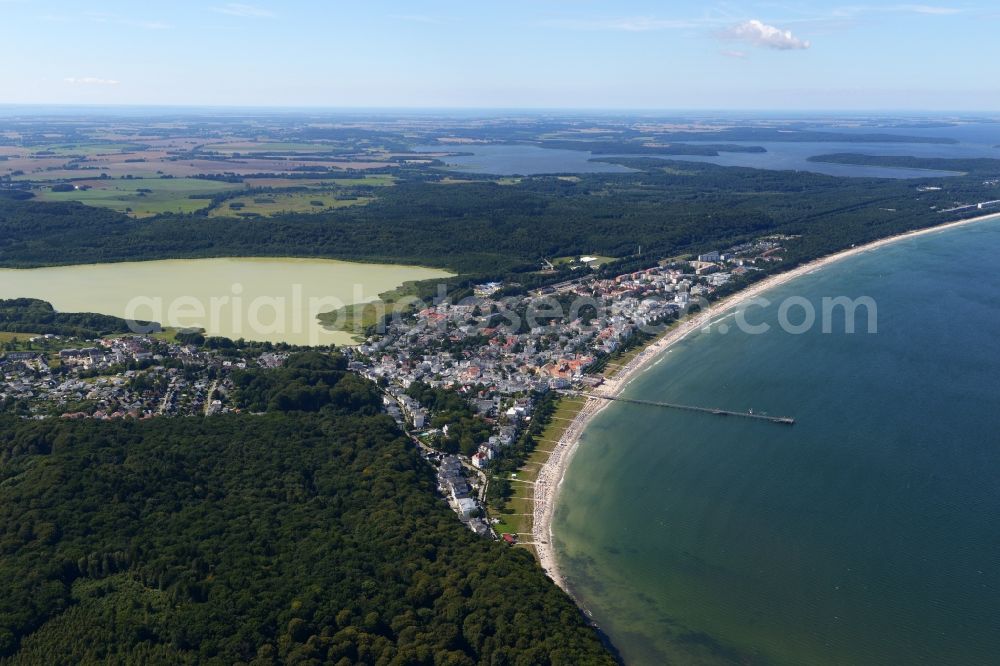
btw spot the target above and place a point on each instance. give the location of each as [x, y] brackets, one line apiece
[974, 165]
[29, 315]
[291, 537]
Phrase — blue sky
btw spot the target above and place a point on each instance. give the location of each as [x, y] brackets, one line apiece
[630, 54]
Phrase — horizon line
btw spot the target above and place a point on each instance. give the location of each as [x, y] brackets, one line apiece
[522, 109]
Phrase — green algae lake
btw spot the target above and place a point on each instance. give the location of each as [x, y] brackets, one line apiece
[272, 299]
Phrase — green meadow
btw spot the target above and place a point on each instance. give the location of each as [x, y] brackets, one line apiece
[273, 203]
[143, 197]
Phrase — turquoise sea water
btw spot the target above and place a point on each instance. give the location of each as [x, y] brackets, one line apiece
[867, 533]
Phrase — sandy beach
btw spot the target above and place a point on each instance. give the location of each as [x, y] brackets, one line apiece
[552, 473]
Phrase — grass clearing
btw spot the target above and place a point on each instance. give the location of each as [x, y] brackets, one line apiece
[448, 180]
[381, 180]
[143, 197]
[279, 183]
[516, 515]
[356, 318]
[7, 336]
[599, 260]
[274, 203]
[48, 347]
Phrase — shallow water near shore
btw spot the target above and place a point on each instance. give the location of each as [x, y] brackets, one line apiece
[866, 533]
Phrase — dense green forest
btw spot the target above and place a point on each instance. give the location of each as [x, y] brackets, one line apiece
[29, 315]
[974, 165]
[486, 228]
[308, 382]
[294, 537]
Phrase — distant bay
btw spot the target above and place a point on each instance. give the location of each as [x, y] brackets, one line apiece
[864, 534]
[972, 140]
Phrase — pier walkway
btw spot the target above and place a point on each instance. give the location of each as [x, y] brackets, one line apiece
[782, 420]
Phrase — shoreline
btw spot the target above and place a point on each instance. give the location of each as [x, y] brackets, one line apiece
[553, 472]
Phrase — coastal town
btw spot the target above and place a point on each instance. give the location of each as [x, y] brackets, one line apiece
[462, 379]
[501, 354]
[119, 377]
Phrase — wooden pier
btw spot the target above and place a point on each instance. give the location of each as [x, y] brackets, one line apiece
[782, 420]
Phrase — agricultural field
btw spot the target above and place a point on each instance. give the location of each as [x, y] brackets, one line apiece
[369, 181]
[150, 164]
[142, 197]
[273, 203]
[271, 147]
[180, 157]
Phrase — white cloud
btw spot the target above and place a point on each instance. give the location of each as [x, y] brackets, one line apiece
[734, 54]
[242, 10]
[753, 31]
[767, 36]
[90, 81]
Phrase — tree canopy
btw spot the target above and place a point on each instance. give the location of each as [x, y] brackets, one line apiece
[29, 315]
[293, 537]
